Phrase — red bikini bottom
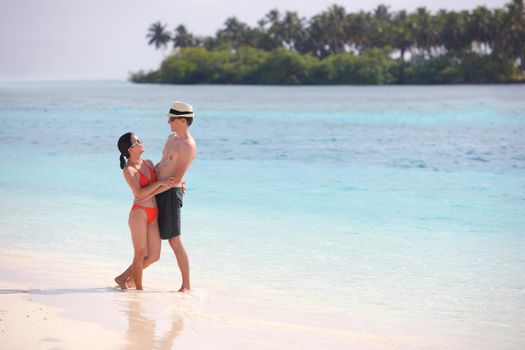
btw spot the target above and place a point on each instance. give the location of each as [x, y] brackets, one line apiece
[151, 213]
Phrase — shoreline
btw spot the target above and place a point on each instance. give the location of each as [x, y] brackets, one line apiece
[127, 80]
[509, 82]
[69, 307]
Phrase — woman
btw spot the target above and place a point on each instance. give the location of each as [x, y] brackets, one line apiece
[141, 178]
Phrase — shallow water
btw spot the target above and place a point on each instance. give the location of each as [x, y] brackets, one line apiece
[393, 209]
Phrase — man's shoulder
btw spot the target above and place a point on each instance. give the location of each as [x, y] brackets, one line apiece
[189, 142]
[170, 141]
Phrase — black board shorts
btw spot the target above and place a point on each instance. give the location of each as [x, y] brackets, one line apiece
[169, 203]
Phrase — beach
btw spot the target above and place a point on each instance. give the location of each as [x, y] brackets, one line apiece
[64, 306]
[315, 217]
[54, 304]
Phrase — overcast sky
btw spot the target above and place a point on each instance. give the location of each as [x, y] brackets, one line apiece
[105, 39]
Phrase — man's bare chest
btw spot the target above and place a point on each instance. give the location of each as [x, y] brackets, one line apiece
[173, 151]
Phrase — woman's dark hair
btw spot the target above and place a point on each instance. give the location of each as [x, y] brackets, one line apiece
[189, 121]
[124, 143]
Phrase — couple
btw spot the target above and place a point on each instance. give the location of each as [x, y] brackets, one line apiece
[158, 192]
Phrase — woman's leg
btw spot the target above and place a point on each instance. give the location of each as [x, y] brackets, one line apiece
[154, 244]
[138, 228]
[125, 279]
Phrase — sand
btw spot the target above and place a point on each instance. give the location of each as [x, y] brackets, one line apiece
[47, 302]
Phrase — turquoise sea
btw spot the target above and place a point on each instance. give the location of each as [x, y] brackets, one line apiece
[393, 210]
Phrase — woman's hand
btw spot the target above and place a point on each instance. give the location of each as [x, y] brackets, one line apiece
[167, 182]
[171, 182]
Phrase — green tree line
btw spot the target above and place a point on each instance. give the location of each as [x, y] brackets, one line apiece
[335, 47]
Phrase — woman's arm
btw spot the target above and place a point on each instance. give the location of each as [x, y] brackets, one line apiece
[142, 193]
[165, 188]
[159, 190]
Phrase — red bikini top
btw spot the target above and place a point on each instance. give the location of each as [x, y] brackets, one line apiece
[144, 181]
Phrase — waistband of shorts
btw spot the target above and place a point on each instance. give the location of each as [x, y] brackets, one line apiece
[175, 189]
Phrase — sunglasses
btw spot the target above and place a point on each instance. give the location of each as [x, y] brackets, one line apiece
[138, 142]
[172, 119]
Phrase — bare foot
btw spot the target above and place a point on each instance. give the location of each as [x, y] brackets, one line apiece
[121, 282]
[131, 282]
[184, 290]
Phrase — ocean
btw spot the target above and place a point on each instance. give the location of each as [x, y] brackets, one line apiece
[396, 210]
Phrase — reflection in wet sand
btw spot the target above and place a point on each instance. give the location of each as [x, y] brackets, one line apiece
[142, 326]
[166, 341]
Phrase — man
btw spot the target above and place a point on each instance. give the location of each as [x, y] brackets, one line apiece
[178, 153]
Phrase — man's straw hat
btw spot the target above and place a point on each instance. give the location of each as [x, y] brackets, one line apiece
[180, 109]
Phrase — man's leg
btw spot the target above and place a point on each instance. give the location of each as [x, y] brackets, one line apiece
[182, 261]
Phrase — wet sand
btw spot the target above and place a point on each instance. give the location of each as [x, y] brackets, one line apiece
[48, 303]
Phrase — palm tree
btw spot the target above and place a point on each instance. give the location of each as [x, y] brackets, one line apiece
[497, 27]
[402, 32]
[514, 31]
[453, 33]
[158, 35]
[358, 30]
[292, 30]
[236, 33]
[328, 32]
[479, 28]
[380, 31]
[273, 18]
[183, 38]
[381, 13]
[426, 31]
[269, 31]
